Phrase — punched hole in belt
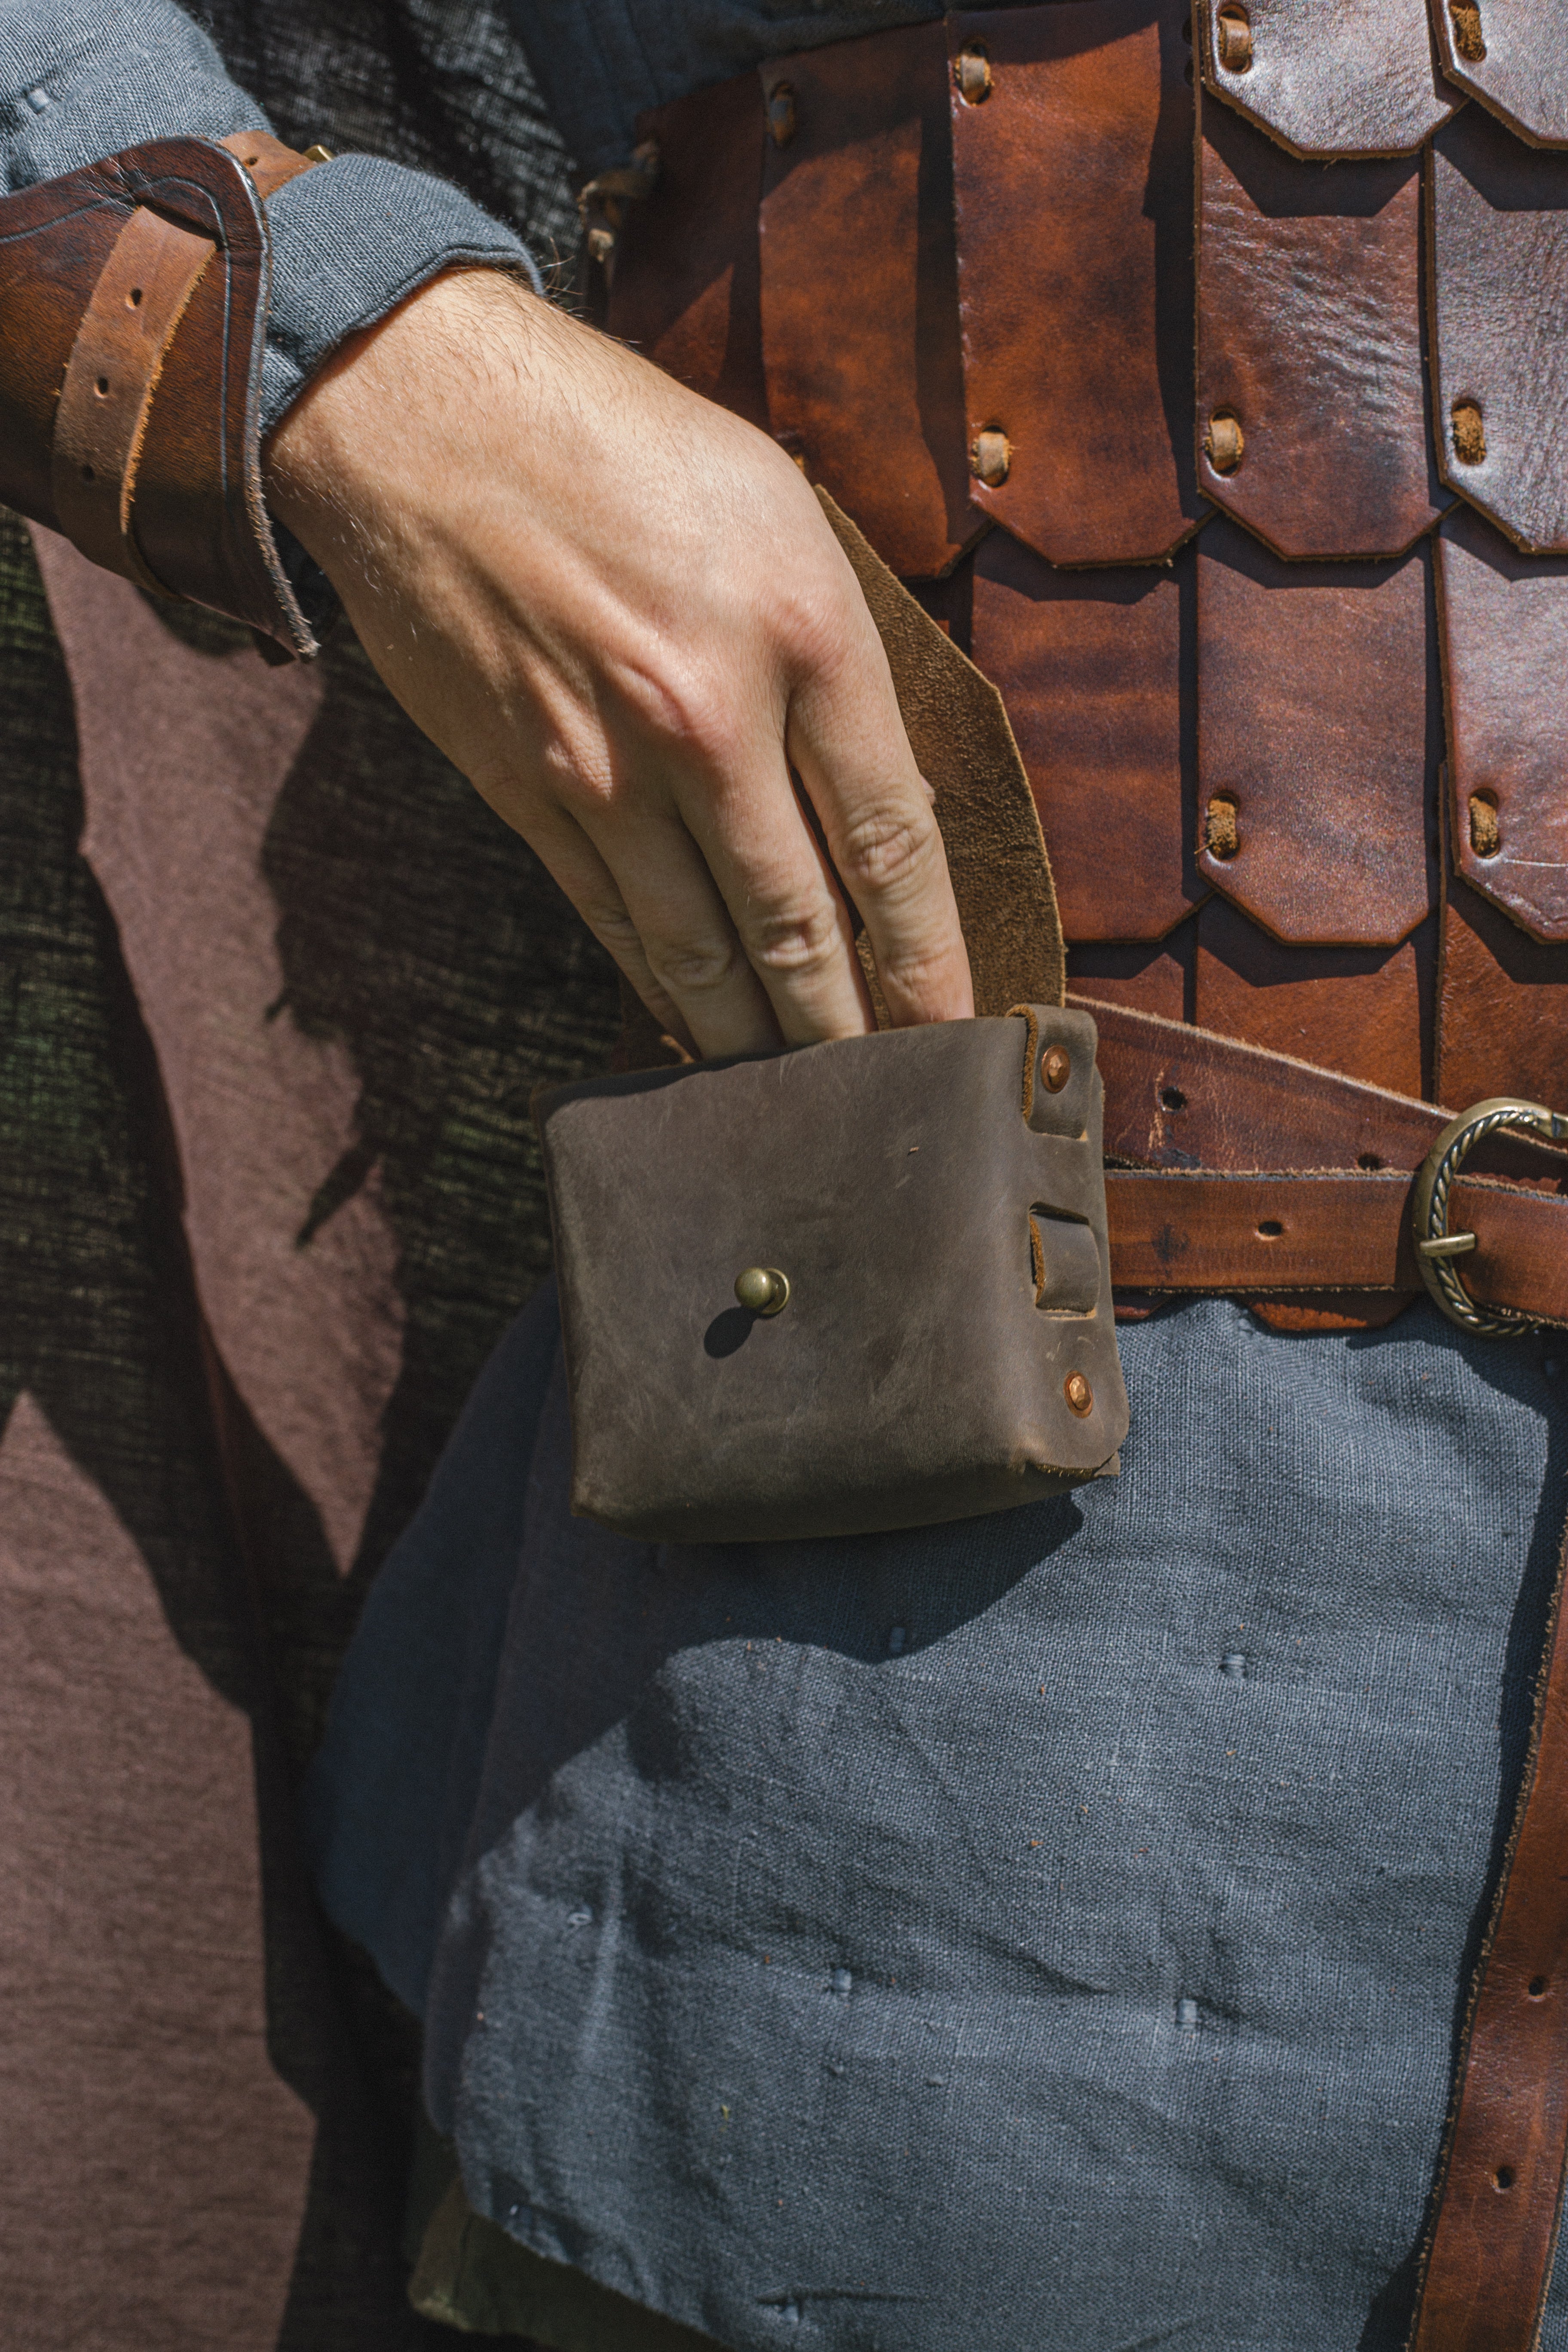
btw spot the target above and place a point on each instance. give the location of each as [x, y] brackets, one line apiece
[1270, 1229]
[1505, 2175]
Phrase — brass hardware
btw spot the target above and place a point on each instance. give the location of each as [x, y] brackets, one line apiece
[1056, 1068]
[1469, 433]
[1468, 39]
[318, 154]
[1486, 828]
[1079, 1395]
[1436, 1246]
[1225, 444]
[781, 113]
[973, 74]
[1222, 832]
[762, 1289]
[601, 244]
[602, 204]
[990, 458]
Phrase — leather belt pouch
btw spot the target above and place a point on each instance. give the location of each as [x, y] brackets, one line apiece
[943, 1342]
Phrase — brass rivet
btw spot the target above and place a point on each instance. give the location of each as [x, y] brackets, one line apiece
[1468, 36]
[1079, 1395]
[1232, 32]
[1225, 444]
[1056, 1068]
[781, 113]
[990, 458]
[318, 154]
[1469, 433]
[1486, 829]
[973, 75]
[1222, 831]
[601, 245]
[762, 1289]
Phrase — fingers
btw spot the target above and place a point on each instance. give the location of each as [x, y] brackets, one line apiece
[848, 739]
[646, 894]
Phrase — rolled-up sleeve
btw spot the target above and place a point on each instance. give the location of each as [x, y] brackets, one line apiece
[80, 78]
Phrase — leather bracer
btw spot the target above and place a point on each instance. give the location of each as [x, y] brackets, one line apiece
[133, 298]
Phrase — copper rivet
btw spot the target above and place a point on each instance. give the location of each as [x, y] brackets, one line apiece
[1233, 33]
[1486, 830]
[781, 113]
[1056, 1068]
[973, 75]
[1222, 832]
[1469, 433]
[990, 458]
[764, 1289]
[1225, 444]
[1079, 1395]
[1468, 36]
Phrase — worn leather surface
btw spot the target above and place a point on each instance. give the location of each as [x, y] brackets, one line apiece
[1310, 335]
[915, 1375]
[1073, 195]
[1522, 76]
[687, 284]
[195, 513]
[958, 729]
[1504, 621]
[864, 380]
[1366, 1010]
[1354, 79]
[1502, 1014]
[1313, 732]
[1157, 978]
[1500, 322]
[1097, 670]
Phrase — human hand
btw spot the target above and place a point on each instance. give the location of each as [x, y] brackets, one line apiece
[621, 612]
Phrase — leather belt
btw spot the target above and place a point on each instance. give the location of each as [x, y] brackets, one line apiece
[1255, 1173]
[1209, 1209]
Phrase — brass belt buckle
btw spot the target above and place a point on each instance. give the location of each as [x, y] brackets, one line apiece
[1437, 1249]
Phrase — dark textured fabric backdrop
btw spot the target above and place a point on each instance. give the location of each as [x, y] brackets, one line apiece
[265, 1066]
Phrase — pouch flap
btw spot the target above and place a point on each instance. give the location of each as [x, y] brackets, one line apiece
[1355, 78]
[934, 1198]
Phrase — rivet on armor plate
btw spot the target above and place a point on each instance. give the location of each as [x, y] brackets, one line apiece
[781, 113]
[1056, 1068]
[1468, 36]
[1486, 828]
[1232, 30]
[990, 458]
[1469, 433]
[973, 74]
[1079, 1395]
[1225, 444]
[764, 1289]
[1222, 835]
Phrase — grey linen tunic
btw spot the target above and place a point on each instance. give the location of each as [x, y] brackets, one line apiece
[1039, 1935]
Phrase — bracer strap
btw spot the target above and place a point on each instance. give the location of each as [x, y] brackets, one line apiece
[133, 298]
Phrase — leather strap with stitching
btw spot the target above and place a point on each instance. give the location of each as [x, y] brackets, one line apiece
[112, 376]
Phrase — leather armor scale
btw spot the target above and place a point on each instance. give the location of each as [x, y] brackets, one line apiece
[1215, 412]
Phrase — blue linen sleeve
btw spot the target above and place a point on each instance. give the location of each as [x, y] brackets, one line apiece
[80, 78]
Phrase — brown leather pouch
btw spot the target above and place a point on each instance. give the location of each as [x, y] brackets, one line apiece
[918, 1218]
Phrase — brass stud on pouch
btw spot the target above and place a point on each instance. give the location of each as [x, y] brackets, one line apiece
[1468, 39]
[991, 458]
[1056, 1068]
[1232, 39]
[781, 113]
[972, 73]
[1222, 832]
[1225, 444]
[1079, 1395]
[1486, 827]
[762, 1289]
